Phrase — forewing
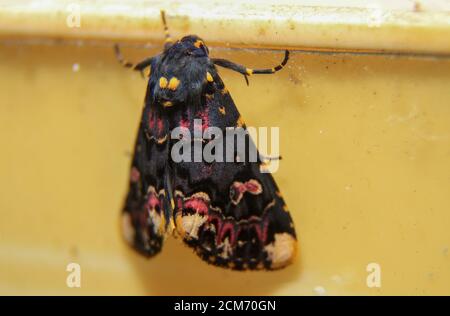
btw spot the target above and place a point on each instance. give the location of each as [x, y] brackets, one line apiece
[147, 209]
[231, 213]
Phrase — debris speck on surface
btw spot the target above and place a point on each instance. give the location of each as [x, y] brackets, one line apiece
[76, 67]
[320, 290]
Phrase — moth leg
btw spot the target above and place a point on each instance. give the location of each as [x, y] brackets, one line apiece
[169, 40]
[249, 71]
[140, 66]
[269, 158]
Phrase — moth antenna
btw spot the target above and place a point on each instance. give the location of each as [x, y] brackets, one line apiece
[169, 39]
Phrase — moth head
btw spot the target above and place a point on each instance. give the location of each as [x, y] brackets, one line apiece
[181, 73]
[192, 45]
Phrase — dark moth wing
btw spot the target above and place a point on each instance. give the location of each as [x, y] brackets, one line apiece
[231, 213]
[146, 213]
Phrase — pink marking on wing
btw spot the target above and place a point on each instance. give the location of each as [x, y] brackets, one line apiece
[153, 202]
[134, 175]
[179, 203]
[198, 205]
[239, 186]
[239, 189]
[160, 126]
[204, 115]
[151, 123]
[185, 123]
[252, 186]
[227, 227]
[265, 229]
[262, 231]
[140, 218]
[214, 218]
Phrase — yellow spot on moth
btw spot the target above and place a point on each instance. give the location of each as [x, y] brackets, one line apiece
[240, 122]
[179, 225]
[209, 77]
[173, 83]
[162, 139]
[224, 90]
[147, 72]
[249, 71]
[163, 82]
[167, 104]
[171, 227]
[162, 225]
[198, 43]
[222, 110]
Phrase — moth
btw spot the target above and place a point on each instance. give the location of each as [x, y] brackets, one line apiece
[231, 213]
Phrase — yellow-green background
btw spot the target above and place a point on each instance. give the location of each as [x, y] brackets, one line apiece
[365, 141]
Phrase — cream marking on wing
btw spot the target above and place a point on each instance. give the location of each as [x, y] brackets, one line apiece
[128, 230]
[282, 250]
